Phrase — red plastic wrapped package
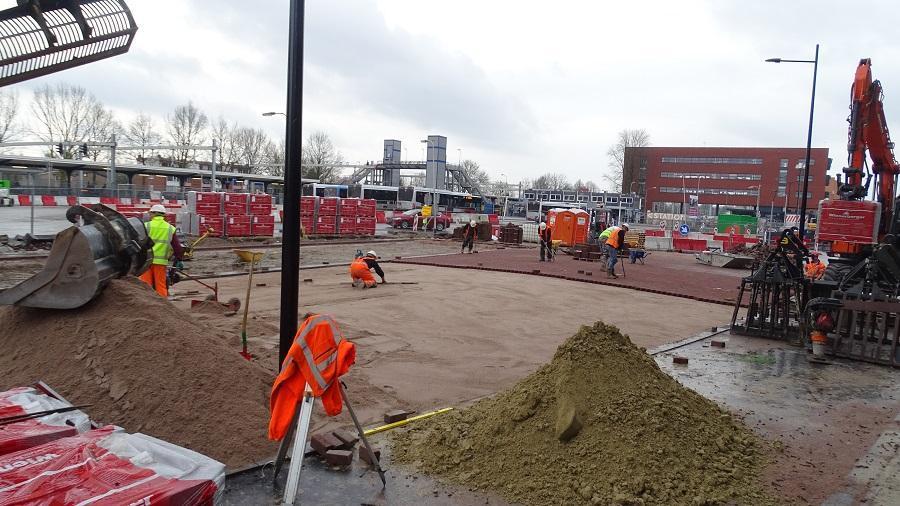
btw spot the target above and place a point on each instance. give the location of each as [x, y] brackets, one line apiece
[36, 431]
[109, 467]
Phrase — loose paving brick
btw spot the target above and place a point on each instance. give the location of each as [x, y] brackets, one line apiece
[339, 457]
[324, 442]
[364, 455]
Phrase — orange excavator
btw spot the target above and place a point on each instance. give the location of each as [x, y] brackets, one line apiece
[855, 310]
[852, 227]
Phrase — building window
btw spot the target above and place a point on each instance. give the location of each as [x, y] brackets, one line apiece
[625, 201]
[582, 198]
[612, 200]
[554, 197]
[783, 163]
[800, 178]
[715, 160]
[596, 198]
[544, 196]
[711, 175]
[529, 196]
[569, 198]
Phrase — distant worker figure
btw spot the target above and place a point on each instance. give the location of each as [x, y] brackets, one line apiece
[615, 241]
[545, 234]
[793, 248]
[360, 273]
[814, 269]
[470, 233]
[165, 246]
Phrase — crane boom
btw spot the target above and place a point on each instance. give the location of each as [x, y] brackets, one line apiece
[869, 133]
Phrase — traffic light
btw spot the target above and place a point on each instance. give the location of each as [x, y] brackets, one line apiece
[84, 150]
[59, 149]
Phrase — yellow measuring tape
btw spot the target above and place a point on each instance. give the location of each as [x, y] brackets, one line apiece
[401, 423]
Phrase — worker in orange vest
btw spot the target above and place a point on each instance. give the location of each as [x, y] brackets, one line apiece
[814, 269]
[545, 235]
[614, 243]
[360, 271]
[318, 357]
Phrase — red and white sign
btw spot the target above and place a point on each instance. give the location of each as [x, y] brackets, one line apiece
[848, 220]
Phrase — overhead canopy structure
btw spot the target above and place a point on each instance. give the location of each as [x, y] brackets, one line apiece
[40, 37]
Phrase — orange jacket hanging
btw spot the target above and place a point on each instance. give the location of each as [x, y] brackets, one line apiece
[319, 356]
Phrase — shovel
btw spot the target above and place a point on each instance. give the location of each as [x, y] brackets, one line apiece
[254, 257]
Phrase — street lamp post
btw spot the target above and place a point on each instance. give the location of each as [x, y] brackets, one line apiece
[506, 188]
[812, 104]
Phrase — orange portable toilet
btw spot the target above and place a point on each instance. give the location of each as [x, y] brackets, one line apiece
[570, 226]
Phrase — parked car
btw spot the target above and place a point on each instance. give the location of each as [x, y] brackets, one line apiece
[407, 218]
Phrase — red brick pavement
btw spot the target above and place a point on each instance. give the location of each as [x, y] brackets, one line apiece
[675, 274]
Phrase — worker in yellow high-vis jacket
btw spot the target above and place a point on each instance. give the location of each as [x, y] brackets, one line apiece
[165, 246]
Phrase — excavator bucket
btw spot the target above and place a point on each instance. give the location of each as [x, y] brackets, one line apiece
[40, 37]
[83, 259]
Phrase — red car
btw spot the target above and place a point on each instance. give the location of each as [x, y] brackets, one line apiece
[407, 218]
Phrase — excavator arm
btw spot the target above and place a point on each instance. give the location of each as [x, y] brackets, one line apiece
[869, 133]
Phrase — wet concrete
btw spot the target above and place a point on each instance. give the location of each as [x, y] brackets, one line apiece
[835, 429]
[357, 485]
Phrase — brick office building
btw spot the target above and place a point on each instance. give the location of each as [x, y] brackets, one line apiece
[734, 178]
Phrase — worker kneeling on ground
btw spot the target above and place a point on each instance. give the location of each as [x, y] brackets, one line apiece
[165, 246]
[815, 269]
[360, 271]
[615, 241]
[470, 232]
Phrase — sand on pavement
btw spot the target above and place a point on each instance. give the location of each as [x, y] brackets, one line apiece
[455, 336]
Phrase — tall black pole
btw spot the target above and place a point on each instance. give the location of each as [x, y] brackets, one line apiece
[812, 108]
[290, 240]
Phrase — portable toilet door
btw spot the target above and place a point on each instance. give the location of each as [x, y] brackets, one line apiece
[563, 223]
[581, 226]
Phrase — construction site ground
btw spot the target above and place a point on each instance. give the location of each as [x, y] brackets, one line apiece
[670, 273]
[437, 336]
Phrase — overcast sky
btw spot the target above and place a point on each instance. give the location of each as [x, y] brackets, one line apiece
[523, 87]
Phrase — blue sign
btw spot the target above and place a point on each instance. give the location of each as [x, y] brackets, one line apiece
[684, 229]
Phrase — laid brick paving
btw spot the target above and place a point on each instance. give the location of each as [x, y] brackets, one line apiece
[676, 274]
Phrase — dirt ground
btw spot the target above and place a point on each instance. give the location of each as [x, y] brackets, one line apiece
[218, 261]
[453, 337]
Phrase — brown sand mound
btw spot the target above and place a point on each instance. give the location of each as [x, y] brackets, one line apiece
[146, 366]
[635, 436]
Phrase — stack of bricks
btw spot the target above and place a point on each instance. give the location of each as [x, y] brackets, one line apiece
[347, 223]
[204, 212]
[366, 217]
[262, 222]
[237, 218]
[327, 215]
[308, 213]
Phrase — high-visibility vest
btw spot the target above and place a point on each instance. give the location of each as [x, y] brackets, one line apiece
[613, 240]
[606, 232]
[318, 357]
[161, 234]
[359, 266]
[815, 270]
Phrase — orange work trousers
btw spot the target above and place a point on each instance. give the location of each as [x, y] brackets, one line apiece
[156, 278]
[361, 272]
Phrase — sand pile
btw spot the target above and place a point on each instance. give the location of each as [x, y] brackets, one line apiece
[634, 435]
[146, 366]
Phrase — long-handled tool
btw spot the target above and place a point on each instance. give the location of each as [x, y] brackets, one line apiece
[255, 257]
[28, 416]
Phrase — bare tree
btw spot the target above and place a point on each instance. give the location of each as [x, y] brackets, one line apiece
[274, 158]
[624, 159]
[186, 127]
[474, 172]
[64, 113]
[9, 109]
[320, 157]
[251, 143]
[142, 132]
[585, 186]
[552, 181]
[225, 135]
[102, 124]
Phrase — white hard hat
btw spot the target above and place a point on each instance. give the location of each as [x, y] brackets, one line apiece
[371, 253]
[625, 225]
[472, 223]
[158, 208]
[543, 225]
